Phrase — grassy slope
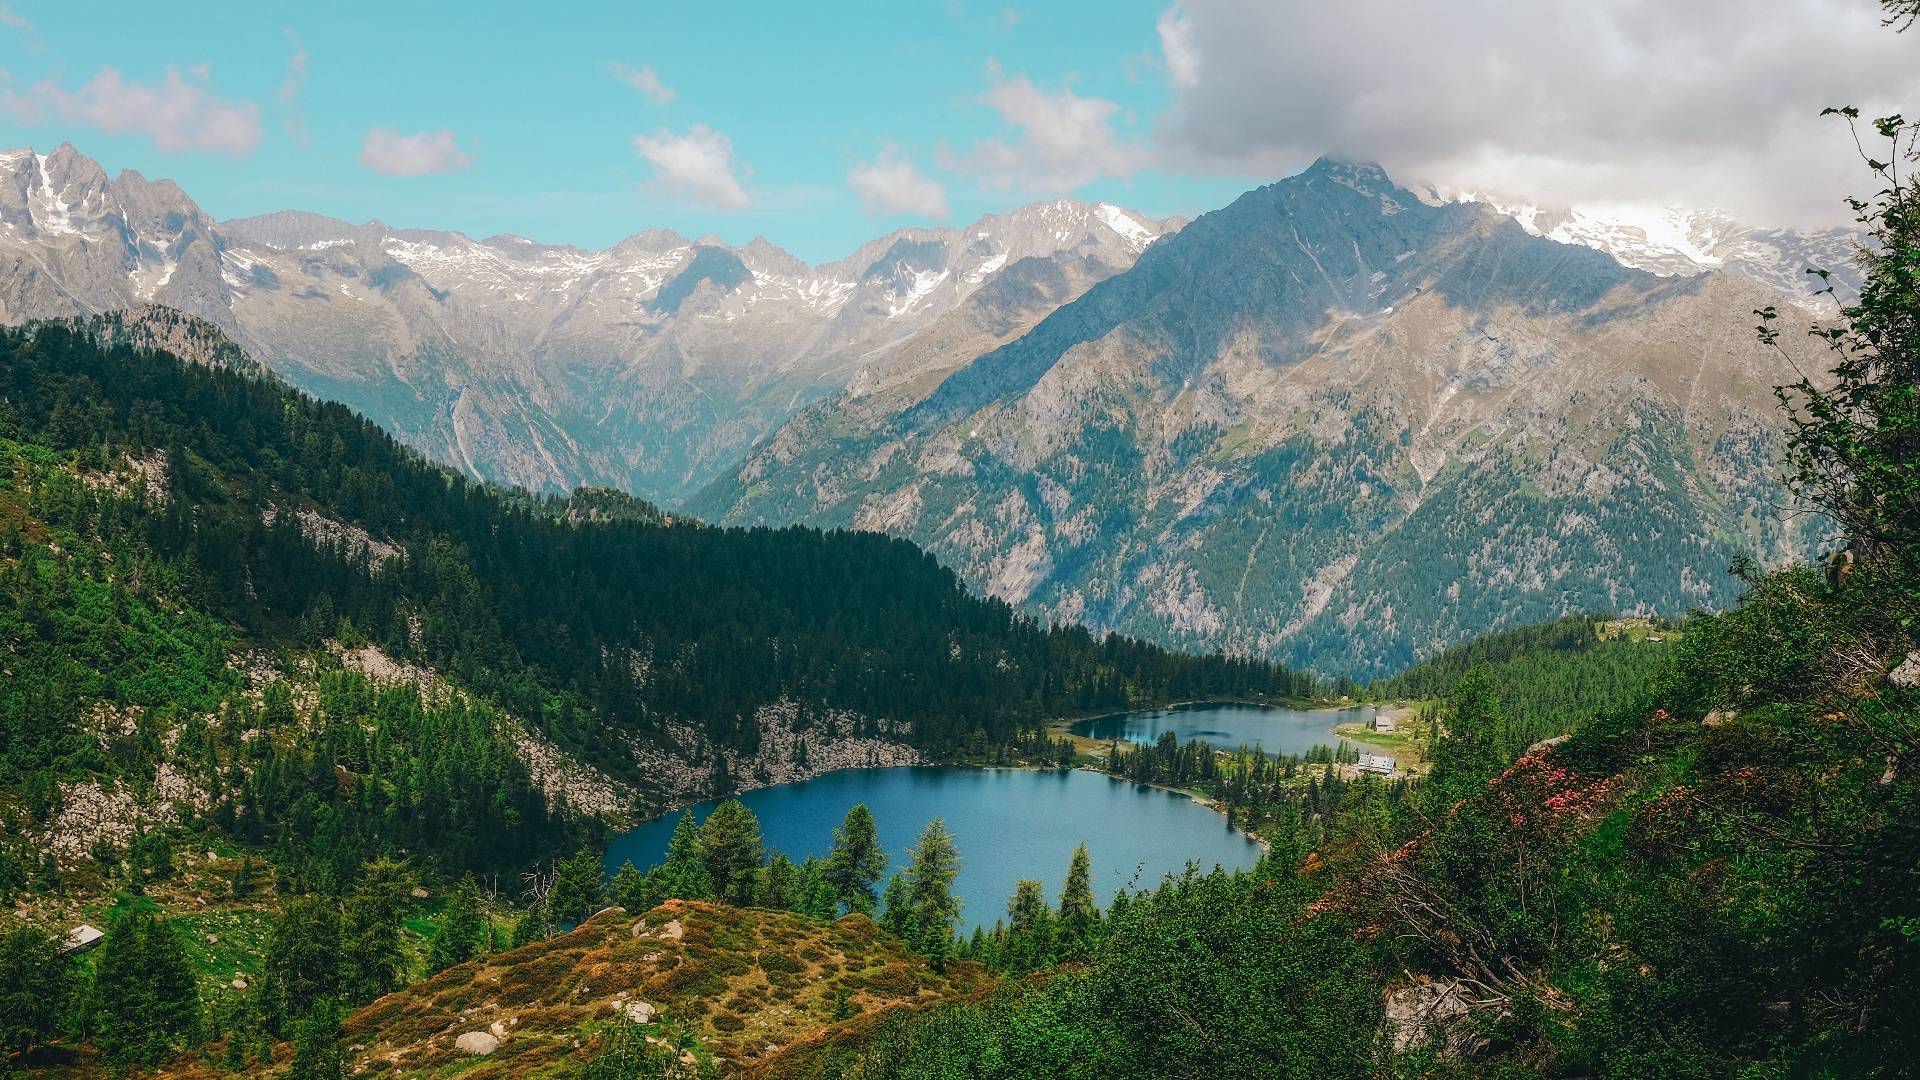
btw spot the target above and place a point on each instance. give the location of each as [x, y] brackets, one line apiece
[735, 984]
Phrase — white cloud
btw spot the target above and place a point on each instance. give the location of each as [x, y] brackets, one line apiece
[388, 151]
[176, 114]
[892, 184]
[1707, 102]
[11, 20]
[1176, 45]
[645, 81]
[1064, 140]
[698, 165]
[290, 85]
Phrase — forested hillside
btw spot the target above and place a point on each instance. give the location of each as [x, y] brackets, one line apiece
[1552, 677]
[580, 620]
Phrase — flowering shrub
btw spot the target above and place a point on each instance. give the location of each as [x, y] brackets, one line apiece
[1537, 795]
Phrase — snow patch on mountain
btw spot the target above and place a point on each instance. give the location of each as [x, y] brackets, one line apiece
[1675, 241]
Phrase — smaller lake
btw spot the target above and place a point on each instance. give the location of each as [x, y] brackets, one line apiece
[1274, 729]
[1009, 824]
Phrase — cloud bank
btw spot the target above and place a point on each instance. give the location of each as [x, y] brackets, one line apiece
[1707, 102]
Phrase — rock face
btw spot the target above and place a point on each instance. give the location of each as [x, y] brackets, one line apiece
[647, 367]
[1332, 423]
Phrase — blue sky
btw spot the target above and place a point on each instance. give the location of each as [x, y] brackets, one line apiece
[824, 125]
[918, 105]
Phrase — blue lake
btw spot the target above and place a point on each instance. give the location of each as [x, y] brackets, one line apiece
[1009, 824]
[1228, 727]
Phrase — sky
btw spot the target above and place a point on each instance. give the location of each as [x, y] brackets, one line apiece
[822, 126]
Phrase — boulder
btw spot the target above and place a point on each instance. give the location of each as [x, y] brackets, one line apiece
[1545, 745]
[672, 931]
[640, 1012]
[1431, 1012]
[1907, 675]
[476, 1042]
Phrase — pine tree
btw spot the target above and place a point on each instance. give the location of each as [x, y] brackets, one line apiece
[463, 928]
[684, 875]
[316, 1044]
[776, 884]
[576, 888]
[529, 928]
[375, 963]
[303, 961]
[1470, 752]
[857, 862]
[1029, 926]
[1078, 910]
[930, 876]
[730, 840]
[896, 916]
[35, 981]
[144, 1000]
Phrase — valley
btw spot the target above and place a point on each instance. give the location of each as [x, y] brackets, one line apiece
[1225, 542]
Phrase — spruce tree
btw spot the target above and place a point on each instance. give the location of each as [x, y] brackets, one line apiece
[303, 960]
[730, 840]
[375, 963]
[463, 928]
[316, 1044]
[896, 914]
[776, 884]
[35, 981]
[1470, 753]
[813, 895]
[684, 875]
[930, 876]
[144, 1000]
[857, 862]
[576, 888]
[1078, 910]
[1030, 922]
[530, 927]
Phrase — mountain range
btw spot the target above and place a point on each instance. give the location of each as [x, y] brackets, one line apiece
[1339, 422]
[1334, 422]
[649, 366]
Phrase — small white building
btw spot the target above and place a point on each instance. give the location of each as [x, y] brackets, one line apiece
[81, 938]
[1376, 763]
[1382, 722]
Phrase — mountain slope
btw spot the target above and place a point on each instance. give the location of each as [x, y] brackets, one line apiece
[1332, 423]
[646, 367]
[674, 659]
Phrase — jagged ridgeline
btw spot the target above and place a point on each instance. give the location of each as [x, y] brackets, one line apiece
[621, 637]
